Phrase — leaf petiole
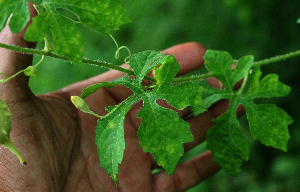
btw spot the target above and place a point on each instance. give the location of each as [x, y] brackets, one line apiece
[244, 84]
[124, 101]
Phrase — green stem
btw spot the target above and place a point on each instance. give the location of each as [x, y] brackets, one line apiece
[48, 47]
[40, 61]
[194, 78]
[257, 63]
[95, 114]
[24, 50]
[244, 83]
[111, 66]
[4, 79]
[124, 101]
[276, 58]
[54, 55]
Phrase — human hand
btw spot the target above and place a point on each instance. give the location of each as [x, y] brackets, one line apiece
[58, 141]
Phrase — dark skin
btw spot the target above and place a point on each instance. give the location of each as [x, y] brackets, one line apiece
[58, 141]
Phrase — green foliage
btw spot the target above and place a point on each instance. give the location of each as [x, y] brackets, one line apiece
[268, 123]
[57, 22]
[103, 16]
[19, 11]
[110, 138]
[161, 132]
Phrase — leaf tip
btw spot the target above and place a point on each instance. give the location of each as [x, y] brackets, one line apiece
[114, 177]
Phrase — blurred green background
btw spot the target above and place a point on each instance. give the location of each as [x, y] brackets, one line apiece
[258, 27]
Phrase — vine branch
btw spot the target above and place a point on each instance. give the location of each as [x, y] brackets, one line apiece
[257, 63]
[129, 72]
[54, 55]
[277, 58]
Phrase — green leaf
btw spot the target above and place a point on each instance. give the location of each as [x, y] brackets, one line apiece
[227, 142]
[268, 123]
[103, 16]
[162, 132]
[268, 87]
[110, 138]
[146, 58]
[39, 27]
[172, 94]
[219, 63]
[19, 11]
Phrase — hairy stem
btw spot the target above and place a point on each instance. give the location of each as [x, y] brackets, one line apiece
[257, 63]
[277, 58]
[244, 84]
[114, 67]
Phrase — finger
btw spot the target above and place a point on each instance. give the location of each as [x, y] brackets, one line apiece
[12, 62]
[187, 174]
[135, 170]
[188, 55]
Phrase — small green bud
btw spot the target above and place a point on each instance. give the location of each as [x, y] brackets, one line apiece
[30, 71]
[80, 104]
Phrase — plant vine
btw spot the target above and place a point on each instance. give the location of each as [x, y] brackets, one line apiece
[226, 141]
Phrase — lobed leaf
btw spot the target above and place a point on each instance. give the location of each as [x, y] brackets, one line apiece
[162, 132]
[227, 142]
[219, 63]
[268, 87]
[268, 123]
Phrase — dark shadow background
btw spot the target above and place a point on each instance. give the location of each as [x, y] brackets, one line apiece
[258, 27]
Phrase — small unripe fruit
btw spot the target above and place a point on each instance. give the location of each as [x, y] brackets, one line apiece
[80, 104]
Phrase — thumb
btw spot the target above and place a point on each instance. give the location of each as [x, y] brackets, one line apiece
[11, 62]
